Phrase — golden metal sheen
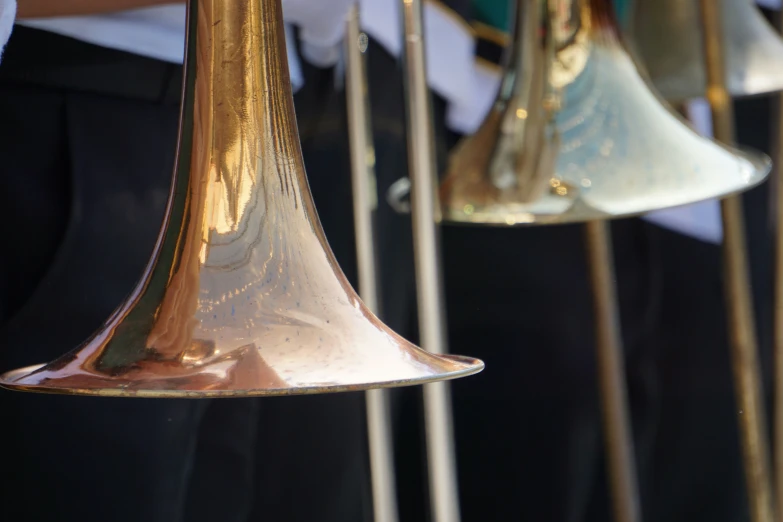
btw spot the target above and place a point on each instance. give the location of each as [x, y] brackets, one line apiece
[576, 133]
[242, 295]
[667, 36]
[739, 304]
[621, 463]
[777, 210]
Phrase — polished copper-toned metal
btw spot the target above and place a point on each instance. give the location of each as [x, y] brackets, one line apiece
[576, 133]
[242, 296]
[739, 304]
[667, 36]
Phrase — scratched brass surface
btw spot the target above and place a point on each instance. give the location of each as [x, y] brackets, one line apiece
[577, 134]
[242, 295]
[667, 35]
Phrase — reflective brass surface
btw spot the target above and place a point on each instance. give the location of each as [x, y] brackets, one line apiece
[379, 420]
[667, 35]
[577, 134]
[443, 490]
[777, 380]
[740, 322]
[242, 295]
[618, 437]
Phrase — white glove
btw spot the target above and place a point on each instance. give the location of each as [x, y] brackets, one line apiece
[7, 16]
[322, 24]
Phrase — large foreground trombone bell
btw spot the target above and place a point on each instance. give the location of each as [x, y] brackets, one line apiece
[667, 35]
[242, 296]
[576, 133]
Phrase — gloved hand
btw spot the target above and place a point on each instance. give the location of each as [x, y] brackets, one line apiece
[322, 24]
[7, 16]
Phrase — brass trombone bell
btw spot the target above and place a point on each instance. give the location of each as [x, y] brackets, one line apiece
[242, 296]
[667, 36]
[576, 134]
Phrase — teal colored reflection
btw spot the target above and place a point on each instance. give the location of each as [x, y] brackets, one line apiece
[495, 13]
[604, 146]
[622, 9]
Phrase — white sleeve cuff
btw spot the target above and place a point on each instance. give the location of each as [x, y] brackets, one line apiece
[321, 27]
[7, 17]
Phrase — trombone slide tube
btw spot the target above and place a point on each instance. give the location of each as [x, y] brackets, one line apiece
[444, 495]
[384, 491]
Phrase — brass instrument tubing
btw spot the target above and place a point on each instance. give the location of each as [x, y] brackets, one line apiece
[444, 496]
[742, 335]
[384, 491]
[612, 380]
[777, 207]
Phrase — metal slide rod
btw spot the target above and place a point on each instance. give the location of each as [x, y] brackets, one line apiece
[777, 447]
[777, 208]
[618, 436]
[384, 491]
[444, 494]
[742, 333]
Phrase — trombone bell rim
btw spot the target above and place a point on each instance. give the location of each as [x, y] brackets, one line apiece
[242, 296]
[580, 211]
[8, 380]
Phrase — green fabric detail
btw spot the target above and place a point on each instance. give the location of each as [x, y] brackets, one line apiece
[493, 13]
[622, 9]
[496, 13]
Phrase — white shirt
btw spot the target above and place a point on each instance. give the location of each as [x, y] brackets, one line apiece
[7, 16]
[468, 88]
[156, 32]
[159, 32]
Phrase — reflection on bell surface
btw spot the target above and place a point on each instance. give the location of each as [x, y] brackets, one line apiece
[576, 134]
[242, 296]
[667, 36]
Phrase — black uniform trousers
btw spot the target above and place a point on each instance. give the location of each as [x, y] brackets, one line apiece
[87, 141]
[529, 434]
[528, 430]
